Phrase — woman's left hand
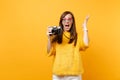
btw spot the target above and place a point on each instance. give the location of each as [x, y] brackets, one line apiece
[85, 23]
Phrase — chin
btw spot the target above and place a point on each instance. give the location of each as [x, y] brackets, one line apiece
[66, 30]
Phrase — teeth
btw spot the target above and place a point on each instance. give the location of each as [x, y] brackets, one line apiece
[66, 25]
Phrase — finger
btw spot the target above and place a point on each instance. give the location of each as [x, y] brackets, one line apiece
[87, 17]
[50, 29]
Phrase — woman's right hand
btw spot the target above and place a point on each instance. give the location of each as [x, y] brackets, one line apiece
[50, 37]
[49, 31]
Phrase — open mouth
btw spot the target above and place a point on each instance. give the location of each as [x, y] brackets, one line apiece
[67, 26]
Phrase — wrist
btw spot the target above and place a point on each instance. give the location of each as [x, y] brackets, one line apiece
[48, 37]
[85, 29]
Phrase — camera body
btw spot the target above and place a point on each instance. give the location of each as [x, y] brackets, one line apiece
[55, 30]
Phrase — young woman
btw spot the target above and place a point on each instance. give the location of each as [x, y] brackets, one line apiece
[66, 46]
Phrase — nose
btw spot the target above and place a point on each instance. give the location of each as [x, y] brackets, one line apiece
[67, 22]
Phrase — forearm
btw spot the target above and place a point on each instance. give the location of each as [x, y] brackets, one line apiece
[85, 37]
[85, 31]
[48, 45]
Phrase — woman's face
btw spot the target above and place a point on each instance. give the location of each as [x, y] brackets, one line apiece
[67, 22]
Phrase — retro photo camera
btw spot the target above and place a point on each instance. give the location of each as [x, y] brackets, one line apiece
[55, 30]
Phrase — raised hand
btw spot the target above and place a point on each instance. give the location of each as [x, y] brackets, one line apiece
[85, 23]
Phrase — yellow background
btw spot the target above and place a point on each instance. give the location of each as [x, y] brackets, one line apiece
[23, 40]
